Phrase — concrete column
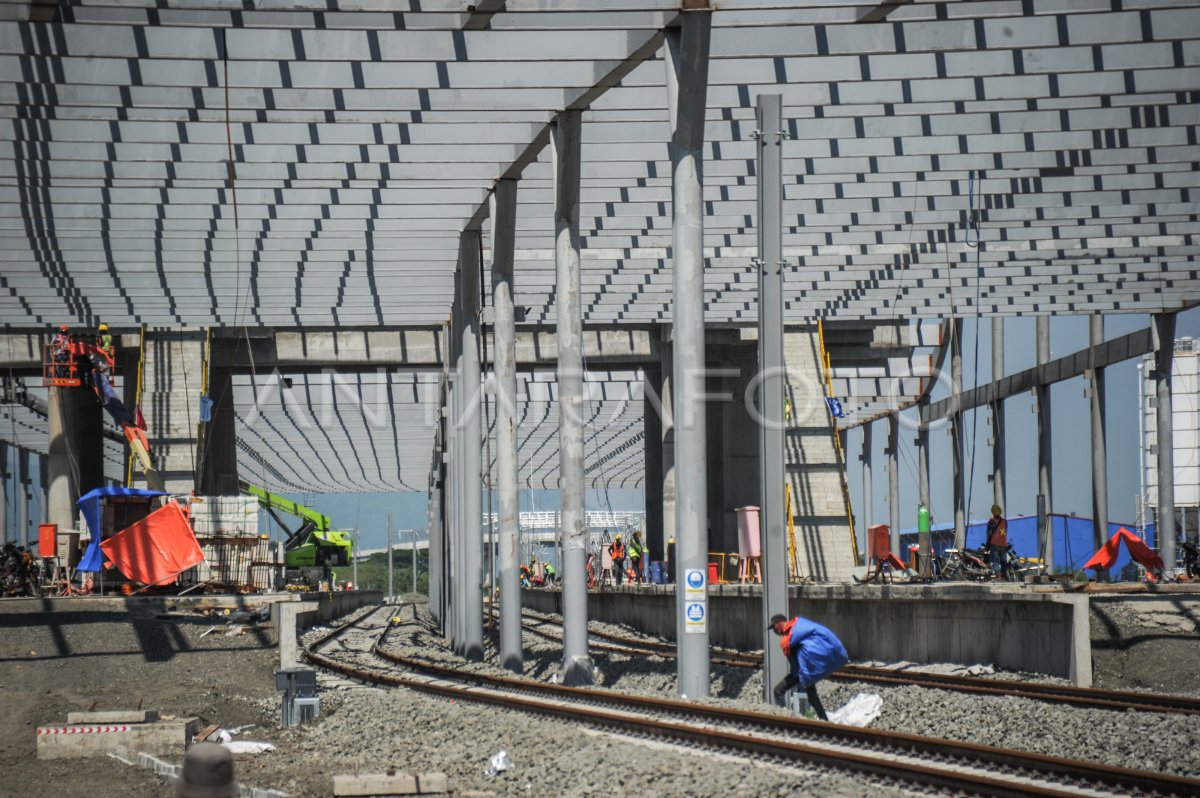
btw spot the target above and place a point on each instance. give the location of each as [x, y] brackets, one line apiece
[893, 473]
[868, 489]
[75, 452]
[43, 487]
[772, 383]
[924, 541]
[667, 442]
[454, 478]
[687, 84]
[998, 413]
[504, 225]
[22, 494]
[1046, 541]
[565, 140]
[958, 476]
[218, 447]
[1164, 359]
[470, 420]
[1099, 448]
[653, 449]
[4, 492]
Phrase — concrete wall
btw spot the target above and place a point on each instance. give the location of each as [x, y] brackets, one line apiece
[1038, 632]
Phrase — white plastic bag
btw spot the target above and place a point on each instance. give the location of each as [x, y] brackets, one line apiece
[248, 747]
[499, 763]
[858, 711]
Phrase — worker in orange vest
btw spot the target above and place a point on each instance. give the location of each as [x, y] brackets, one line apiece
[617, 550]
[997, 541]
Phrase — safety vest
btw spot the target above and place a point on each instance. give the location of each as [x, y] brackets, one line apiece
[997, 532]
[617, 550]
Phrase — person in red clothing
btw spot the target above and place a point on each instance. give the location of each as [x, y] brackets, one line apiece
[997, 541]
[813, 652]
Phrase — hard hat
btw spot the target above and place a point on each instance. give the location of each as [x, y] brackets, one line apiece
[618, 536]
[996, 509]
[103, 327]
[62, 328]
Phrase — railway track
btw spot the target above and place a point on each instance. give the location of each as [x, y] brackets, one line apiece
[888, 757]
[1119, 700]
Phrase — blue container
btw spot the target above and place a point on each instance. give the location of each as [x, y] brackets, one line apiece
[658, 574]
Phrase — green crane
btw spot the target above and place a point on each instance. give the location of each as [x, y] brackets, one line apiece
[313, 544]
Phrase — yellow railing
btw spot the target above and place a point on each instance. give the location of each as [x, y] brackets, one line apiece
[827, 378]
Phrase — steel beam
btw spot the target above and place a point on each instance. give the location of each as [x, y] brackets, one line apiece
[577, 665]
[1045, 443]
[867, 478]
[22, 497]
[893, 472]
[504, 225]
[1164, 360]
[1058, 370]
[687, 87]
[773, 521]
[924, 540]
[391, 594]
[1099, 438]
[4, 492]
[455, 477]
[957, 467]
[997, 406]
[471, 423]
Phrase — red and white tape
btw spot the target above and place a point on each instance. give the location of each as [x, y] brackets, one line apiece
[80, 729]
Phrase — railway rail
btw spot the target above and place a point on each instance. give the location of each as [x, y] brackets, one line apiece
[890, 757]
[1120, 700]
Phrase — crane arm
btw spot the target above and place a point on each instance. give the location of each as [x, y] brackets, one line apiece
[318, 522]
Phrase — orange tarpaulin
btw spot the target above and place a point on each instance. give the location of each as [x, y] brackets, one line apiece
[1137, 549]
[157, 548]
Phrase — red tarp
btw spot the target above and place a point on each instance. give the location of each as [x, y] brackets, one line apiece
[156, 549]
[1137, 549]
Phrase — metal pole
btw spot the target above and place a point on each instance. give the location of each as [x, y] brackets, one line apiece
[504, 225]
[472, 438]
[1164, 357]
[1141, 368]
[22, 495]
[924, 540]
[687, 85]
[868, 489]
[391, 586]
[413, 533]
[1099, 449]
[1044, 444]
[565, 140]
[998, 413]
[958, 476]
[772, 385]
[454, 478]
[893, 473]
[4, 472]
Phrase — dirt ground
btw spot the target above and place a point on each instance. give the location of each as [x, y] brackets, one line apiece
[120, 659]
[117, 659]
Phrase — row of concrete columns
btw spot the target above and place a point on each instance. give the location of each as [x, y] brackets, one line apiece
[455, 481]
[1164, 337]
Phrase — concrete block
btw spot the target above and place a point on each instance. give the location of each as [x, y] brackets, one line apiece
[284, 616]
[75, 741]
[388, 784]
[114, 716]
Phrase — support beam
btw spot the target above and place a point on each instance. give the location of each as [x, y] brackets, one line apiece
[454, 477]
[773, 523]
[1045, 444]
[893, 472]
[22, 495]
[217, 460]
[653, 455]
[1064, 368]
[391, 594]
[667, 441]
[470, 421]
[4, 492]
[74, 454]
[924, 540]
[997, 406]
[504, 225]
[1164, 361]
[687, 85]
[577, 665]
[1099, 439]
[958, 475]
[868, 489]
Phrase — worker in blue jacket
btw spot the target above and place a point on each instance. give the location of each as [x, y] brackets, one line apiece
[813, 652]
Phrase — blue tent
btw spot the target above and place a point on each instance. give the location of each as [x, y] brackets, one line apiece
[89, 504]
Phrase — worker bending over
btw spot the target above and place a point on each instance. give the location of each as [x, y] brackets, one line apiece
[813, 652]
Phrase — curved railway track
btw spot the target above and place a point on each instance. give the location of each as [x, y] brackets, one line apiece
[1119, 700]
[888, 757]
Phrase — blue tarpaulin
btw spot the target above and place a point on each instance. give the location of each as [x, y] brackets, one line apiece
[89, 505]
[112, 403]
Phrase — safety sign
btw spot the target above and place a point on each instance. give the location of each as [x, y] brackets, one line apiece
[695, 615]
[693, 585]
